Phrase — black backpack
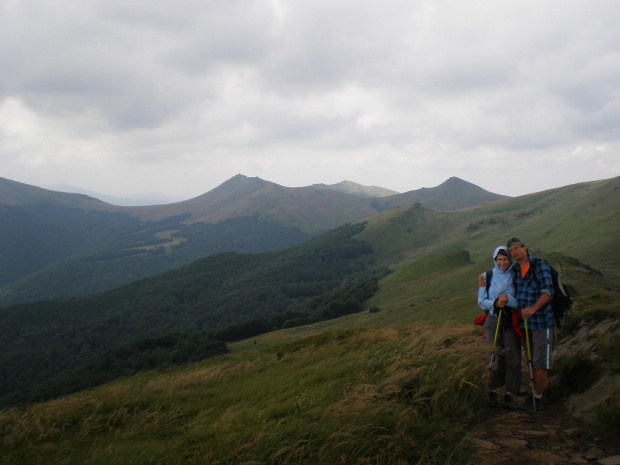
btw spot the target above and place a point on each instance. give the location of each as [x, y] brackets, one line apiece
[561, 302]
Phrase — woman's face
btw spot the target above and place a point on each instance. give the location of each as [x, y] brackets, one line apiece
[503, 262]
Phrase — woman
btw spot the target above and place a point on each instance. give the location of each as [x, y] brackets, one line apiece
[497, 296]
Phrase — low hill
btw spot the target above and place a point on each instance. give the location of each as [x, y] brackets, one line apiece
[350, 187]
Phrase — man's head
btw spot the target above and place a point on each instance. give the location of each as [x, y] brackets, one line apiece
[514, 241]
[517, 249]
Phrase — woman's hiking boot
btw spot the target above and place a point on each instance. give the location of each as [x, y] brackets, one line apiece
[492, 398]
[533, 405]
[509, 401]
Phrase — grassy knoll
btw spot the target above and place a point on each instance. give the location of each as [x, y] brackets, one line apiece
[381, 395]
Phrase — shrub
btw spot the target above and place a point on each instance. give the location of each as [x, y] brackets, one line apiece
[608, 418]
[577, 371]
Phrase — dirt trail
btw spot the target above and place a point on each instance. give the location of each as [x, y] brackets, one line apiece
[553, 436]
[559, 434]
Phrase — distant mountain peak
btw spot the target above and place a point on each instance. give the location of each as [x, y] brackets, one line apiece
[453, 180]
[240, 182]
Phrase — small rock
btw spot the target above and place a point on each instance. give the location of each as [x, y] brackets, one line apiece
[578, 460]
[594, 453]
[614, 460]
[552, 431]
[534, 434]
[512, 443]
[488, 445]
[574, 432]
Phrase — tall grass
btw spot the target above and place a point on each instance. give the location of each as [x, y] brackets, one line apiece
[380, 396]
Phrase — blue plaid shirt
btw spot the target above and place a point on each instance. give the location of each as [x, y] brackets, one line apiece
[537, 281]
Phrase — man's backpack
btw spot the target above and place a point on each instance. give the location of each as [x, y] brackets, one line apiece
[561, 302]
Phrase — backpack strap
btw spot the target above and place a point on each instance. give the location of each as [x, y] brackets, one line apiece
[533, 265]
[488, 277]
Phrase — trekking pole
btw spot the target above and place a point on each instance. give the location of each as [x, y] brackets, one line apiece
[494, 343]
[529, 364]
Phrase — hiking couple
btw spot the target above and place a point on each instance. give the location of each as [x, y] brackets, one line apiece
[515, 296]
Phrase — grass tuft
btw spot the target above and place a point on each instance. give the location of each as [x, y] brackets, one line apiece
[608, 418]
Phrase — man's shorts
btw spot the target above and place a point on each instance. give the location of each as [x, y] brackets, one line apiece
[543, 342]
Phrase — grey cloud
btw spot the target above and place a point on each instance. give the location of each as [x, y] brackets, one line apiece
[198, 78]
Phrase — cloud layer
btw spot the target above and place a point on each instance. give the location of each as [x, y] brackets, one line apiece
[134, 97]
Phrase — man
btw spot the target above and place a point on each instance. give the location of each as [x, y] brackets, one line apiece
[534, 291]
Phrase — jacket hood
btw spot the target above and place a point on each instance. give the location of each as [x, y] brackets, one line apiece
[505, 249]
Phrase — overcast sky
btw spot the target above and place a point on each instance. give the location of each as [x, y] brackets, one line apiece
[130, 97]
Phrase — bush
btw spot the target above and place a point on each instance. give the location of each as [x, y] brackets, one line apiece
[577, 371]
[608, 418]
[610, 353]
[592, 308]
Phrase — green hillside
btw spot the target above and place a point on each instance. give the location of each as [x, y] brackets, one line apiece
[399, 382]
[225, 297]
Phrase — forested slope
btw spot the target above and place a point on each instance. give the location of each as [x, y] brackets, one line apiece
[223, 297]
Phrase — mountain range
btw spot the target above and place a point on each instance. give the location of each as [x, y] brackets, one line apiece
[354, 344]
[406, 264]
[57, 244]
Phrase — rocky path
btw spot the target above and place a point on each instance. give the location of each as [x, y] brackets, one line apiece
[552, 436]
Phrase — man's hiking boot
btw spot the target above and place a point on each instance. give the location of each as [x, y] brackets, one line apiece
[493, 398]
[509, 402]
[529, 404]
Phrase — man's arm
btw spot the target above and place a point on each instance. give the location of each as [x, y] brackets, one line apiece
[543, 275]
